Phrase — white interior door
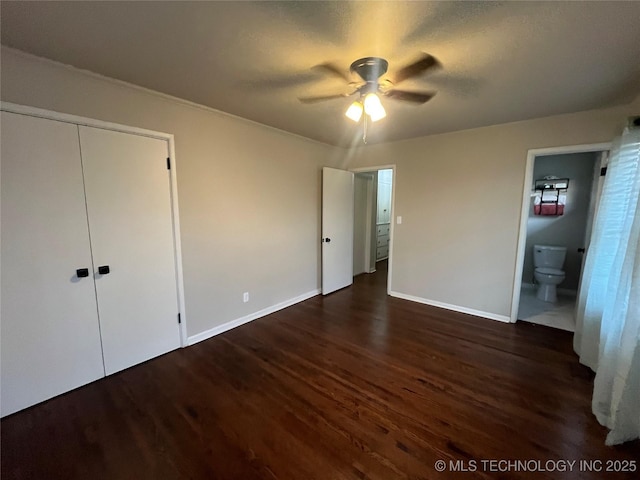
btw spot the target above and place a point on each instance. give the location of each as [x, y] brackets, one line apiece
[129, 207]
[50, 334]
[337, 229]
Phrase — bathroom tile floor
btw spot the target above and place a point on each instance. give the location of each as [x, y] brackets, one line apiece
[557, 315]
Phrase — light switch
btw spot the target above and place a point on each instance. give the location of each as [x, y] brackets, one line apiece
[398, 219]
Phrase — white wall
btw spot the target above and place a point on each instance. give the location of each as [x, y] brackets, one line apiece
[249, 194]
[460, 195]
[567, 230]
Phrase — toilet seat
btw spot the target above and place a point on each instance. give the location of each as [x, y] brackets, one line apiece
[549, 271]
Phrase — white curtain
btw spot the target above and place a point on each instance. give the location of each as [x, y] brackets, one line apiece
[607, 334]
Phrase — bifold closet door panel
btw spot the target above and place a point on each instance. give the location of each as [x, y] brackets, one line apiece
[128, 193]
[50, 333]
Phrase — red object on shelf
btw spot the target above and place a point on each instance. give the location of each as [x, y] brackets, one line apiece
[548, 209]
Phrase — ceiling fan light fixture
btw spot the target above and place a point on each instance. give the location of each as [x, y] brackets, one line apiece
[354, 112]
[373, 107]
[370, 70]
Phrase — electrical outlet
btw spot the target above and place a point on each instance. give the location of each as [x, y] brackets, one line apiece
[245, 297]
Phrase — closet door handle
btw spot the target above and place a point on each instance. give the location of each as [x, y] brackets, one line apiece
[104, 270]
[82, 272]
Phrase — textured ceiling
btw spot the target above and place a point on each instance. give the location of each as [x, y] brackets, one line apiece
[501, 61]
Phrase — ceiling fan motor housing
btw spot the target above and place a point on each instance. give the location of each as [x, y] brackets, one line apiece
[370, 68]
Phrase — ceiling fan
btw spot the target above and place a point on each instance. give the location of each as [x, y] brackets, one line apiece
[370, 70]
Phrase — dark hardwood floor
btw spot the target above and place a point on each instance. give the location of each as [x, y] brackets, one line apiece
[349, 386]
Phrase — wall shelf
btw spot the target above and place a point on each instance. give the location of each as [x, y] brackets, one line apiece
[552, 187]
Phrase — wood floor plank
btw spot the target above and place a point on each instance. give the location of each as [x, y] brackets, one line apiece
[354, 385]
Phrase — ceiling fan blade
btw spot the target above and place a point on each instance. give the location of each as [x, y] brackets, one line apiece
[426, 62]
[334, 70]
[415, 97]
[322, 98]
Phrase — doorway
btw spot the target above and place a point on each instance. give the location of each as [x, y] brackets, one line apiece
[373, 229]
[561, 192]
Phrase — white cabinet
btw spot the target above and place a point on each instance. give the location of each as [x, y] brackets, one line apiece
[384, 196]
[382, 242]
[382, 230]
[76, 200]
[384, 213]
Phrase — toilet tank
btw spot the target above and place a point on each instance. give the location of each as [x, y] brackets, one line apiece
[549, 256]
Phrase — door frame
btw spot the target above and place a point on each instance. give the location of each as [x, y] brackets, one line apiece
[526, 203]
[175, 217]
[369, 179]
[393, 209]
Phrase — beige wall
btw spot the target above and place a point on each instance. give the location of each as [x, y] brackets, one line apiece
[250, 201]
[249, 195]
[460, 195]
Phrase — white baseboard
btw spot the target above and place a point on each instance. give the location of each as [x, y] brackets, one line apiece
[212, 332]
[455, 308]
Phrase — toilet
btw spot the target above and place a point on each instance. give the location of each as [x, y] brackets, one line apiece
[548, 261]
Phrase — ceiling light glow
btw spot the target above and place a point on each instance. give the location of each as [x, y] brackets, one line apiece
[373, 107]
[354, 112]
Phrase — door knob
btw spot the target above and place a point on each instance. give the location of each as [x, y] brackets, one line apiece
[82, 272]
[103, 270]
[327, 240]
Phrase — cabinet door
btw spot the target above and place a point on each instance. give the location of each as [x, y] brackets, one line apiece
[50, 332]
[129, 207]
[384, 203]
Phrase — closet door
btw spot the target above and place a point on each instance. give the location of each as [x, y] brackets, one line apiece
[50, 334]
[129, 207]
